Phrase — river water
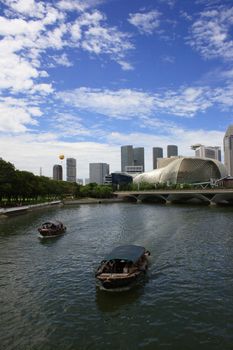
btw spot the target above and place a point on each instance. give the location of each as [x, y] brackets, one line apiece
[48, 295]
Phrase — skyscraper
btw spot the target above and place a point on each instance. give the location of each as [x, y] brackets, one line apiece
[157, 153]
[71, 170]
[57, 172]
[127, 156]
[228, 150]
[172, 151]
[97, 172]
[207, 151]
[138, 157]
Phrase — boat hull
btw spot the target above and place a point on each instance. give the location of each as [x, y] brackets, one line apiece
[50, 233]
[121, 283]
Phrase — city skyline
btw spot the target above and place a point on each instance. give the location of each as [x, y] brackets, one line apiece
[83, 78]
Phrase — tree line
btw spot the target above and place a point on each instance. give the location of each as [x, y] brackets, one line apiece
[23, 187]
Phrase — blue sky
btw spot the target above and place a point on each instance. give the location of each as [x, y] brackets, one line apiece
[82, 78]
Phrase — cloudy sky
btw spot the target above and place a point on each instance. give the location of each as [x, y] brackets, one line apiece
[82, 78]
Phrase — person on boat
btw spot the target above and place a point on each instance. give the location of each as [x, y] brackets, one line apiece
[111, 266]
[126, 268]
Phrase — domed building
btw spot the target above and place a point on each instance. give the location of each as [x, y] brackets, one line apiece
[185, 170]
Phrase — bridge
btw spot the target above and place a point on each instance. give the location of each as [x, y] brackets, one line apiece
[202, 196]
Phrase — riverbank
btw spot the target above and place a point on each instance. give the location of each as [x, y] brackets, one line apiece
[24, 208]
[5, 212]
[92, 201]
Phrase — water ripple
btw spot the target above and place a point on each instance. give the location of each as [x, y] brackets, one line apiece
[48, 296]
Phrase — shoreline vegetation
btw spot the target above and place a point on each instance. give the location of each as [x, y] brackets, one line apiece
[22, 188]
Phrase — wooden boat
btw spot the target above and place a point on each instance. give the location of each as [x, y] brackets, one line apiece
[51, 229]
[122, 267]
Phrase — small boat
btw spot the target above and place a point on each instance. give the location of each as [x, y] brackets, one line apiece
[122, 267]
[51, 229]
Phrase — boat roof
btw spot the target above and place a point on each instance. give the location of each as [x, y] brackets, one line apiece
[55, 222]
[126, 252]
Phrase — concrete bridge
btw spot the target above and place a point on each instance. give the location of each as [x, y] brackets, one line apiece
[203, 196]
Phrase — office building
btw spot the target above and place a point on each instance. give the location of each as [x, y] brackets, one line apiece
[97, 172]
[127, 156]
[157, 153]
[228, 150]
[80, 181]
[138, 157]
[57, 172]
[71, 169]
[207, 151]
[132, 157]
[172, 151]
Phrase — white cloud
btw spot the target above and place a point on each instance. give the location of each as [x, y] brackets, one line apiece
[147, 22]
[17, 115]
[73, 126]
[91, 33]
[27, 7]
[63, 60]
[121, 104]
[24, 42]
[126, 103]
[211, 34]
[125, 65]
[78, 5]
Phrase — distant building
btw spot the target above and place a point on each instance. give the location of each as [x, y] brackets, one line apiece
[126, 156]
[57, 172]
[228, 150]
[134, 169]
[207, 151]
[132, 157]
[80, 181]
[87, 181]
[157, 153]
[97, 172]
[121, 179]
[108, 179]
[71, 170]
[138, 157]
[172, 151]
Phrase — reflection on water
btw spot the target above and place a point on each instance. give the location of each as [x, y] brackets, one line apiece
[48, 294]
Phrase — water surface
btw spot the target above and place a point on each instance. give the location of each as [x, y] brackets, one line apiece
[48, 296]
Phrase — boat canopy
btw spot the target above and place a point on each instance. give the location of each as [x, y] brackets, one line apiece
[55, 222]
[126, 252]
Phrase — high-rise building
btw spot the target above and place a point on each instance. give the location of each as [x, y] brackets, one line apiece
[71, 170]
[172, 151]
[157, 153]
[138, 157]
[228, 150]
[207, 151]
[97, 172]
[127, 156]
[132, 157]
[57, 172]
